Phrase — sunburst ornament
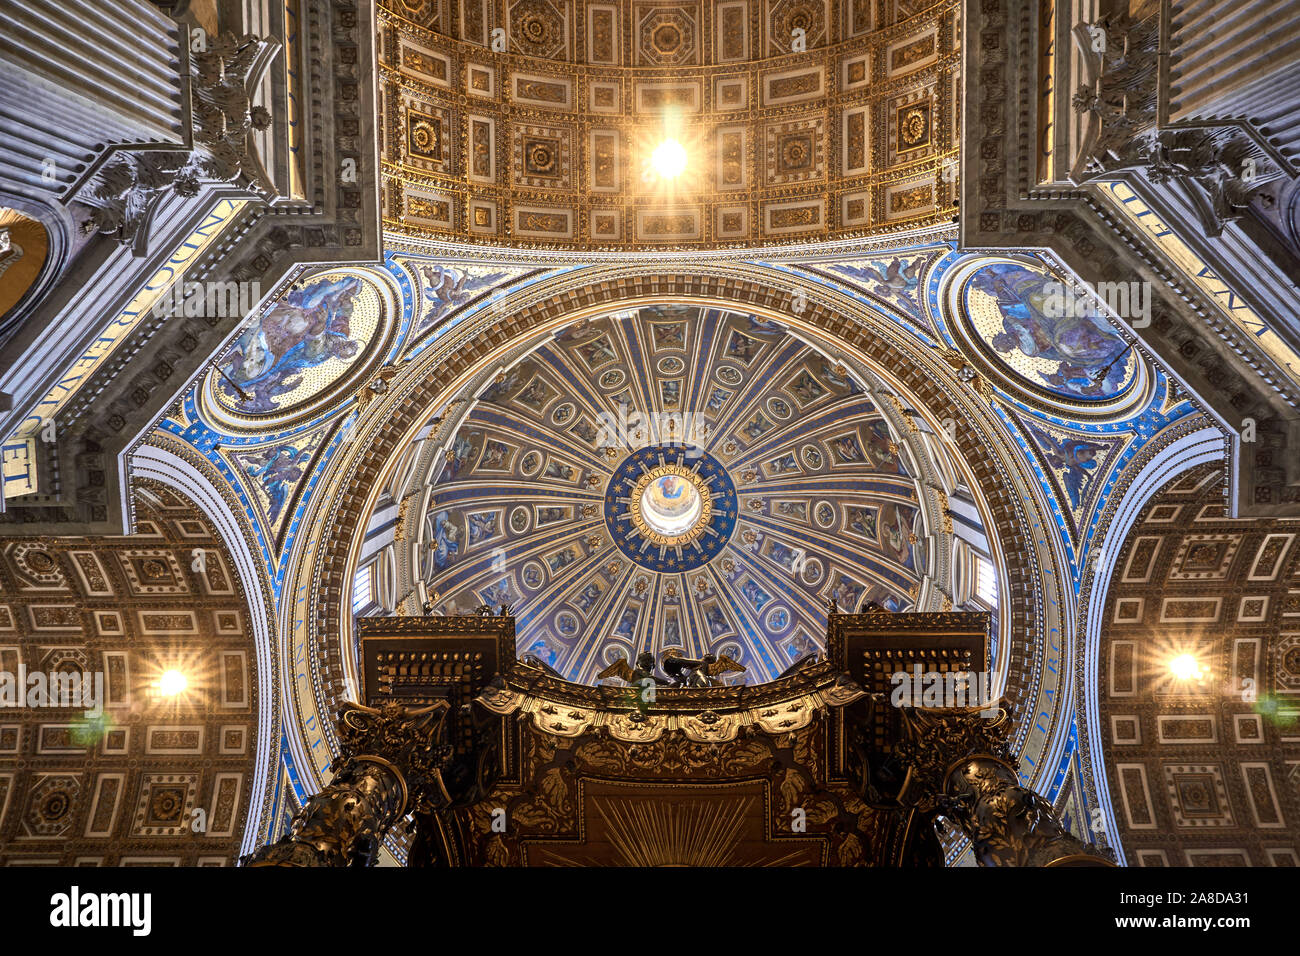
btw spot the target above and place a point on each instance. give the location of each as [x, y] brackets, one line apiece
[670, 508]
[695, 833]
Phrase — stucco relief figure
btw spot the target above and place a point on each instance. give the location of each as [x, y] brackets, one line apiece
[1083, 346]
[306, 330]
[224, 115]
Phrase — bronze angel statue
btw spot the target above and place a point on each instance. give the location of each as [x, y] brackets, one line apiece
[642, 681]
[645, 666]
[707, 671]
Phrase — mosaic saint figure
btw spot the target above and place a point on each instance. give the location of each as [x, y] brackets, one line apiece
[550, 515]
[1086, 348]
[847, 449]
[783, 465]
[846, 592]
[672, 630]
[586, 598]
[495, 455]
[563, 472]
[482, 525]
[742, 347]
[278, 474]
[880, 449]
[801, 645]
[669, 336]
[626, 624]
[895, 534]
[1077, 457]
[861, 521]
[446, 540]
[543, 652]
[497, 594]
[446, 287]
[304, 331]
[597, 352]
[895, 280]
[755, 595]
[463, 449]
[535, 395]
[806, 388]
[561, 559]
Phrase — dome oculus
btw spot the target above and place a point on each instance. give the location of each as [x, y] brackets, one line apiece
[668, 510]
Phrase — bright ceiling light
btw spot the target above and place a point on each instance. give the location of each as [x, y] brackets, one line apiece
[1185, 667]
[171, 683]
[669, 159]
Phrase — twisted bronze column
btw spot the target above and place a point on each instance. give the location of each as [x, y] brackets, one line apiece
[392, 760]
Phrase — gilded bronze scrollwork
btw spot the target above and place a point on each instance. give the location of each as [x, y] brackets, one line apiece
[958, 763]
[394, 761]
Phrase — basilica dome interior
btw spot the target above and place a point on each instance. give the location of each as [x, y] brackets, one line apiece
[614, 432]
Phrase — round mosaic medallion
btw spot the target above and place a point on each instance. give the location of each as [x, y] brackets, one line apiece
[669, 508]
[1050, 340]
[671, 505]
[303, 353]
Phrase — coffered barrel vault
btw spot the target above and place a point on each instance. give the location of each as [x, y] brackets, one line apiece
[1203, 771]
[534, 122]
[123, 783]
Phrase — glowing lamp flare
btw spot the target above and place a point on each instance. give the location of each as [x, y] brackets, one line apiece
[171, 683]
[1185, 667]
[669, 159]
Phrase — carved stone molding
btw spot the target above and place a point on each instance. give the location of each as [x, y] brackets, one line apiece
[1005, 205]
[322, 213]
[122, 195]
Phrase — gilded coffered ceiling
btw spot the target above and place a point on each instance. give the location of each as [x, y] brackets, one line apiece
[123, 782]
[535, 123]
[1202, 770]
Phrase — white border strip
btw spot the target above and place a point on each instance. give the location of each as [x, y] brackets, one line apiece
[163, 466]
[1200, 447]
